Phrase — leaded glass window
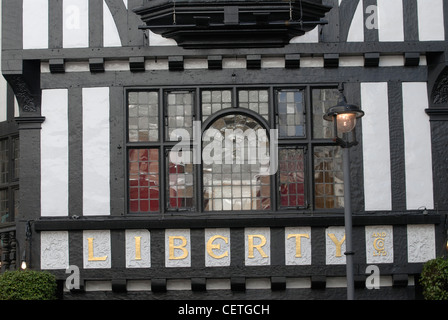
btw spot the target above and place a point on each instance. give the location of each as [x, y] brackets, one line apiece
[144, 180]
[328, 178]
[143, 116]
[180, 181]
[309, 174]
[9, 178]
[292, 177]
[255, 100]
[323, 99]
[235, 181]
[214, 101]
[291, 113]
[179, 113]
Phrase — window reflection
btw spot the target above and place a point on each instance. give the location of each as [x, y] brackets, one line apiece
[237, 185]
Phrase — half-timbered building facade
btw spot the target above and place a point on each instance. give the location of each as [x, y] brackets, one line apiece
[98, 93]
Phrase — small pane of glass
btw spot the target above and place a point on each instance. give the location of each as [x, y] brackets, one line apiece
[4, 206]
[144, 180]
[16, 157]
[292, 178]
[328, 178]
[143, 116]
[179, 113]
[180, 177]
[323, 99]
[214, 101]
[291, 113]
[4, 161]
[16, 195]
[255, 100]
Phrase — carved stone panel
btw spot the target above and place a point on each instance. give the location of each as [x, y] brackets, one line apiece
[421, 243]
[54, 252]
[138, 249]
[96, 249]
[379, 244]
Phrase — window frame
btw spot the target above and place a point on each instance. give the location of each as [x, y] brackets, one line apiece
[307, 142]
[11, 185]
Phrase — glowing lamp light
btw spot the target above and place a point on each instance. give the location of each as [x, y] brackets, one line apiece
[344, 116]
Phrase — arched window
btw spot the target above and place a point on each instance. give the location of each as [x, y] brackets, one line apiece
[234, 165]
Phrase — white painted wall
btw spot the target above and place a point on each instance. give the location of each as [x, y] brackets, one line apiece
[356, 31]
[54, 153]
[418, 153]
[35, 24]
[96, 151]
[110, 32]
[431, 20]
[390, 20]
[75, 23]
[376, 146]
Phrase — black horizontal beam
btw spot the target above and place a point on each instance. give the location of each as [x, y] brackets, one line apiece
[229, 221]
[304, 49]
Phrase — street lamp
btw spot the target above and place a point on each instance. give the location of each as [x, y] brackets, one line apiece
[345, 116]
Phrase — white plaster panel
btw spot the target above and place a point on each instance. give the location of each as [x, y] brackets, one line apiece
[376, 146]
[421, 243]
[218, 284]
[258, 283]
[54, 153]
[195, 64]
[332, 255]
[379, 244]
[221, 247]
[142, 257]
[356, 31]
[75, 23]
[157, 40]
[351, 61]
[54, 250]
[259, 235]
[96, 151]
[93, 285]
[293, 254]
[156, 64]
[116, 65]
[391, 61]
[178, 284]
[101, 249]
[311, 36]
[431, 26]
[234, 63]
[273, 62]
[138, 285]
[35, 24]
[181, 253]
[418, 151]
[312, 62]
[390, 20]
[111, 37]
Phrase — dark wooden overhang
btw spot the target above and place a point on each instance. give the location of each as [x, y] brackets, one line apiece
[195, 24]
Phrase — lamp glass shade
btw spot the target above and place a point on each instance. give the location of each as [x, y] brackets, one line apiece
[346, 122]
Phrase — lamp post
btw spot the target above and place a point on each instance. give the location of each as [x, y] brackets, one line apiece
[345, 116]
